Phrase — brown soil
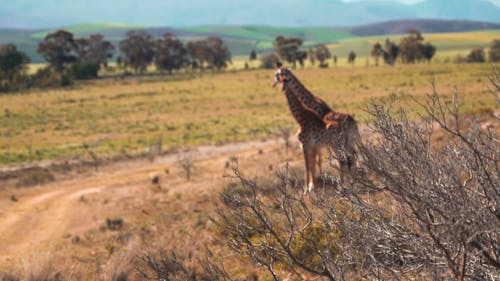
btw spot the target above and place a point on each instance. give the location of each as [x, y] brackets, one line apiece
[51, 217]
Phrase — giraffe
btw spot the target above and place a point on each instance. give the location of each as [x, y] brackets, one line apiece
[320, 126]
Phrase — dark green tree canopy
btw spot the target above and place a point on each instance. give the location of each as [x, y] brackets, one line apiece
[351, 58]
[197, 52]
[428, 51]
[476, 55]
[288, 48]
[59, 49]
[412, 48]
[211, 50]
[94, 50]
[322, 53]
[376, 52]
[170, 53]
[495, 51]
[391, 52]
[253, 55]
[138, 50]
[12, 61]
[218, 54]
[269, 61]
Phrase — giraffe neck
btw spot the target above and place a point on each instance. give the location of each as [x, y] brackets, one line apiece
[304, 117]
[309, 101]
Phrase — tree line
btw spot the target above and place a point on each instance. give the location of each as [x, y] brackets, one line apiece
[72, 58]
[411, 49]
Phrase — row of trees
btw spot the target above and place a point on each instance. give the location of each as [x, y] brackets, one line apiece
[80, 58]
[138, 50]
[168, 53]
[411, 49]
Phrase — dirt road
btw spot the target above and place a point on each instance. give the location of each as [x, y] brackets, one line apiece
[44, 216]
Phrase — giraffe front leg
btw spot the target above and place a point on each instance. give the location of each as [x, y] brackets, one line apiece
[317, 151]
[310, 163]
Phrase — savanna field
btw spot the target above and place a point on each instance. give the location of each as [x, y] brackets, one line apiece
[129, 115]
[124, 177]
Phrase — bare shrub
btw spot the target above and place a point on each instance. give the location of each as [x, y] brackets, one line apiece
[327, 234]
[40, 268]
[121, 264]
[164, 266]
[495, 82]
[450, 191]
[426, 206]
[186, 162]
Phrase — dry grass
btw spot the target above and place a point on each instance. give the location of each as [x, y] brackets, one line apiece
[127, 116]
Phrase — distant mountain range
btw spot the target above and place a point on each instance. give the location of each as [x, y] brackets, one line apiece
[297, 13]
[424, 26]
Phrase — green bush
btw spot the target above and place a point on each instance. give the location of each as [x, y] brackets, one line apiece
[84, 70]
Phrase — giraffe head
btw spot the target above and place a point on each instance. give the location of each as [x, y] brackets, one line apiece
[282, 75]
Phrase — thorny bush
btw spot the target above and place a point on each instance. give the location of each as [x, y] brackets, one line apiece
[425, 205]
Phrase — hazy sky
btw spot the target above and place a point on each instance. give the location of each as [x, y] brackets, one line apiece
[402, 1]
[56, 13]
[410, 1]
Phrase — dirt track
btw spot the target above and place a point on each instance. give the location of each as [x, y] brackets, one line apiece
[45, 215]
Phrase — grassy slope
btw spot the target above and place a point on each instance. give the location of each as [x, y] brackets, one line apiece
[125, 116]
[455, 42]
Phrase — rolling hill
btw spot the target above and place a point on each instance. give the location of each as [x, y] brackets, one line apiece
[242, 39]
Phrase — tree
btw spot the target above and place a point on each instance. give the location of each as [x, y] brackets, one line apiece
[476, 55]
[412, 48]
[12, 63]
[322, 53]
[377, 52]
[253, 55]
[197, 52]
[351, 58]
[218, 54]
[288, 48]
[211, 50]
[94, 50]
[269, 61]
[429, 51]
[170, 53]
[391, 52]
[494, 52]
[301, 56]
[138, 50]
[59, 49]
